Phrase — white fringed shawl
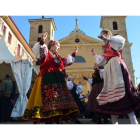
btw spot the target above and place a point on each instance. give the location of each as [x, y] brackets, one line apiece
[114, 87]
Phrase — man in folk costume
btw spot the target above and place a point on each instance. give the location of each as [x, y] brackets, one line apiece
[118, 94]
[50, 99]
[79, 90]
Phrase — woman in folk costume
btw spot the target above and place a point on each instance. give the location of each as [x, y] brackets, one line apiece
[73, 87]
[97, 85]
[118, 94]
[50, 99]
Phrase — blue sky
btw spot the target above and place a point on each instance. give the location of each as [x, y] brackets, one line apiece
[91, 26]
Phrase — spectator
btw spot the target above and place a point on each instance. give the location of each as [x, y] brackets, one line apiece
[6, 89]
[12, 97]
[79, 90]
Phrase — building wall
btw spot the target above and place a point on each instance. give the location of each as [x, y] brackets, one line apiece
[14, 43]
[78, 70]
[85, 52]
[34, 35]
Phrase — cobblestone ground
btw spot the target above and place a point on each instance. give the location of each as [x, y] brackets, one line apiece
[83, 121]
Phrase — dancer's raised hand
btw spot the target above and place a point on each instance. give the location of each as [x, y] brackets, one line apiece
[44, 36]
[76, 49]
[99, 36]
[102, 37]
[85, 78]
[93, 51]
[96, 66]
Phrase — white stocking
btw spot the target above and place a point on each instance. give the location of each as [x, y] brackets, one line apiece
[133, 118]
[114, 119]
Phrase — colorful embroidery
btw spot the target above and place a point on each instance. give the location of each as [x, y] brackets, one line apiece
[36, 112]
[56, 99]
[56, 96]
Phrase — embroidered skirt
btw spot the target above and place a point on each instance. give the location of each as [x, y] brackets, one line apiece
[50, 99]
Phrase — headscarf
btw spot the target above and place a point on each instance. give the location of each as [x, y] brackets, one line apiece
[52, 43]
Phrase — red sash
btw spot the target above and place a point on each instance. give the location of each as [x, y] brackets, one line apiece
[109, 52]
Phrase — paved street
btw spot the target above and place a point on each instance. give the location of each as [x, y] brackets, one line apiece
[83, 121]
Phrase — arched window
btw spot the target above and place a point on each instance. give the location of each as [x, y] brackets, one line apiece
[40, 28]
[115, 26]
[79, 59]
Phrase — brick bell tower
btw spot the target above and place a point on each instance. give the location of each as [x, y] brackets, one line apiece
[37, 27]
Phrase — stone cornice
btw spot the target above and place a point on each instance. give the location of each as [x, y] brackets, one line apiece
[71, 45]
[128, 45]
[76, 35]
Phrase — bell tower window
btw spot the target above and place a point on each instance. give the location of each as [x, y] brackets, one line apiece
[115, 26]
[40, 29]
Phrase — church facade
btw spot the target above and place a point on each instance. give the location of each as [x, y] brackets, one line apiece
[84, 61]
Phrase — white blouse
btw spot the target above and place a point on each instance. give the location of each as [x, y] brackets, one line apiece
[100, 60]
[70, 85]
[78, 89]
[40, 50]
